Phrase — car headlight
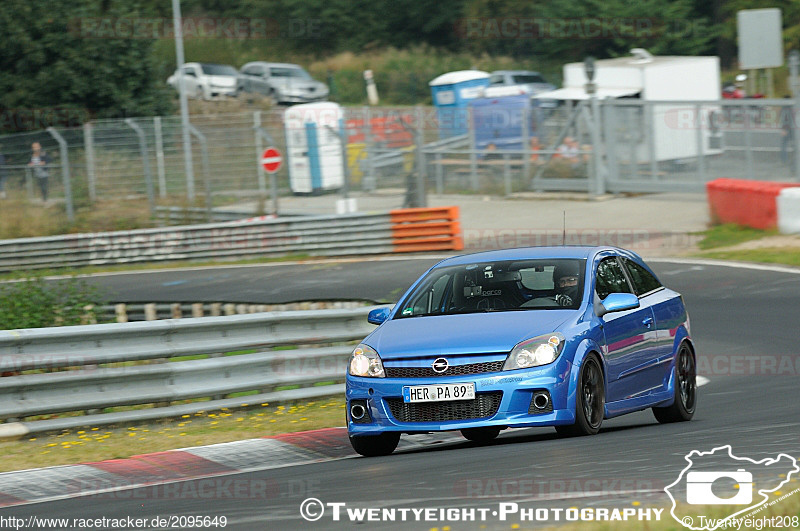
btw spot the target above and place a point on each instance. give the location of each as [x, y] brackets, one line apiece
[534, 352]
[364, 361]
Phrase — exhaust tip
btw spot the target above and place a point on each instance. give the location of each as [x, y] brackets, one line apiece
[541, 400]
[357, 411]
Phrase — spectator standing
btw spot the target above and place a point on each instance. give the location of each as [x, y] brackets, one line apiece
[39, 161]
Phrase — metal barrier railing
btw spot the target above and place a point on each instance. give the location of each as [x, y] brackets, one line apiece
[89, 368]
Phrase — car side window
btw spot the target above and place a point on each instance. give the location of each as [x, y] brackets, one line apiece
[610, 279]
[188, 71]
[643, 280]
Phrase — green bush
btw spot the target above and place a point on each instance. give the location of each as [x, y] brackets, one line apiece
[34, 303]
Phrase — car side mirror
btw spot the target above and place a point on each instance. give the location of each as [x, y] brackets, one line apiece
[618, 302]
[378, 315]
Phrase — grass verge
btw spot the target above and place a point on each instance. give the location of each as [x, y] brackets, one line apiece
[98, 444]
[730, 234]
[767, 255]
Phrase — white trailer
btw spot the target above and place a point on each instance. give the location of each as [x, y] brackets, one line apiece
[634, 86]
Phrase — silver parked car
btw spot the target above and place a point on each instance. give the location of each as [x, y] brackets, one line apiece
[527, 80]
[284, 82]
[207, 80]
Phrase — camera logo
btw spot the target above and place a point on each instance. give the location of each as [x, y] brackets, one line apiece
[717, 489]
[699, 488]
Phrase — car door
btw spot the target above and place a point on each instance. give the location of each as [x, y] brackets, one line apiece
[629, 335]
[668, 311]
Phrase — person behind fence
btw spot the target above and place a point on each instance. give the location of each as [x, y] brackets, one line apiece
[3, 174]
[39, 161]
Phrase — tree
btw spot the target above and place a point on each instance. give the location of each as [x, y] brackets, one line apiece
[75, 55]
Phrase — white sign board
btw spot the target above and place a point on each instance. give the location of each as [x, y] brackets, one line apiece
[760, 38]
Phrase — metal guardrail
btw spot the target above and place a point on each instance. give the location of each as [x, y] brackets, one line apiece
[316, 236]
[404, 230]
[89, 368]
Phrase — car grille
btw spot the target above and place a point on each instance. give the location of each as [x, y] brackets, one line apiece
[485, 405]
[452, 370]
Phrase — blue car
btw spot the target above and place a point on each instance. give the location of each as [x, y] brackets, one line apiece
[542, 336]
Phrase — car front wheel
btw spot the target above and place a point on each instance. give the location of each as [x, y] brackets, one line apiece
[375, 445]
[682, 409]
[590, 402]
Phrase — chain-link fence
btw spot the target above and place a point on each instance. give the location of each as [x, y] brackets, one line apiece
[624, 145]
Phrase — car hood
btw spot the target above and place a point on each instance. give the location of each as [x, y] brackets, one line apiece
[223, 81]
[475, 333]
[300, 84]
[536, 88]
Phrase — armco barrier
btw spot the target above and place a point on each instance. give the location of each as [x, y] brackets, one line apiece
[370, 233]
[426, 229]
[90, 366]
[748, 203]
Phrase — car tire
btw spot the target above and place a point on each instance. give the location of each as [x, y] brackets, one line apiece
[682, 409]
[481, 435]
[375, 445]
[590, 401]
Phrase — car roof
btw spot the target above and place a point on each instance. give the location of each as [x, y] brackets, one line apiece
[265, 63]
[516, 72]
[529, 253]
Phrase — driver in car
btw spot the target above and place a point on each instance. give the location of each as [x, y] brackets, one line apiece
[565, 280]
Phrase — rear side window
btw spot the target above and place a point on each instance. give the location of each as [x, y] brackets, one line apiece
[643, 280]
[610, 279]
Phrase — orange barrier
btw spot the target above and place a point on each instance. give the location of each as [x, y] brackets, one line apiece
[749, 203]
[426, 229]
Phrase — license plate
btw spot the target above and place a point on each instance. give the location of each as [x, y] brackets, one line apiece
[439, 392]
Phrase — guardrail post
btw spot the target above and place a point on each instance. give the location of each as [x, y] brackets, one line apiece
[162, 178]
[701, 158]
[422, 177]
[88, 146]
[261, 173]
[206, 170]
[148, 176]
[473, 155]
[64, 171]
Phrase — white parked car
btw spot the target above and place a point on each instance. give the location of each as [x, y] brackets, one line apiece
[283, 82]
[207, 80]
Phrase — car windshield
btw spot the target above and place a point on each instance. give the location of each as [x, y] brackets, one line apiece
[219, 70]
[528, 78]
[500, 286]
[289, 72]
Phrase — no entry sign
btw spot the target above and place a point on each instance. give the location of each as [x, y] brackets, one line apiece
[271, 159]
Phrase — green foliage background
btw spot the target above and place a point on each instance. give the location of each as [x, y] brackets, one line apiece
[46, 63]
[34, 303]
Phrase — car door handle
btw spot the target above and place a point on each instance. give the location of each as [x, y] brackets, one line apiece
[648, 322]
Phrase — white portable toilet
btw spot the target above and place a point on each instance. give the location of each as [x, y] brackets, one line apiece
[314, 151]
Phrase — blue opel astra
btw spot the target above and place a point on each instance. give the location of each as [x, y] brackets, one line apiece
[541, 336]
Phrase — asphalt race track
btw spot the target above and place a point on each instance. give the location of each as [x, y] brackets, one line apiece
[744, 322]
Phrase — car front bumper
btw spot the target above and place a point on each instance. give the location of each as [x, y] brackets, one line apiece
[516, 389]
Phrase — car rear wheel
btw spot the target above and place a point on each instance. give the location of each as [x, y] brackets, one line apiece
[682, 409]
[375, 445]
[590, 402]
[481, 435]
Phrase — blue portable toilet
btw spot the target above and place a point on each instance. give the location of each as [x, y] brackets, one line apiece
[451, 93]
[500, 120]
